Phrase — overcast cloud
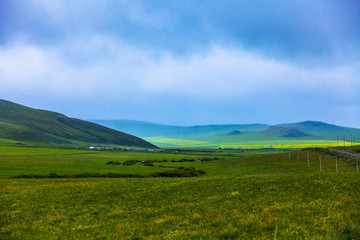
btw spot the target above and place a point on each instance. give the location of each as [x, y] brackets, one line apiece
[184, 62]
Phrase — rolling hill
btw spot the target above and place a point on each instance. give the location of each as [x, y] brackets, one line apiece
[284, 132]
[324, 129]
[233, 135]
[29, 125]
[233, 132]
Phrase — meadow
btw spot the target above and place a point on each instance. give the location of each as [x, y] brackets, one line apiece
[245, 144]
[243, 195]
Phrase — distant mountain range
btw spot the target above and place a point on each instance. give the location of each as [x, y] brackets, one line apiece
[146, 129]
[235, 134]
[29, 125]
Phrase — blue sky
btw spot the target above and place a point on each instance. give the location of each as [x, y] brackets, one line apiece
[184, 62]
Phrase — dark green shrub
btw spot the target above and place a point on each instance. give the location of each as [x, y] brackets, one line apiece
[184, 160]
[131, 162]
[53, 175]
[206, 159]
[148, 163]
[114, 163]
[179, 172]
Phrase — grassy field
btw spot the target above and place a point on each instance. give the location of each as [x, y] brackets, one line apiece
[278, 143]
[16, 160]
[246, 195]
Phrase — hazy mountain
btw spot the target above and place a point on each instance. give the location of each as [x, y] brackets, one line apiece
[324, 130]
[233, 132]
[284, 132]
[145, 129]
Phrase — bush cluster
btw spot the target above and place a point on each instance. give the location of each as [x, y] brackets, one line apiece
[179, 172]
[80, 175]
[131, 162]
[148, 163]
[114, 163]
[184, 160]
[206, 159]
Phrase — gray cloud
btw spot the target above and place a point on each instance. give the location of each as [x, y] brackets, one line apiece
[159, 61]
[287, 29]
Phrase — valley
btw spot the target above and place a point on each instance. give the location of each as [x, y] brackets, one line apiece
[294, 135]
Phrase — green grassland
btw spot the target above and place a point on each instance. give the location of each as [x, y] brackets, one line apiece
[17, 160]
[244, 143]
[244, 195]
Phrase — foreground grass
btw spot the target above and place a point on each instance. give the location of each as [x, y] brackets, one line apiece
[255, 197]
[314, 206]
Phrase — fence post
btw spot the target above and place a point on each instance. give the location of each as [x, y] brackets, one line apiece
[320, 163]
[308, 158]
[336, 164]
[289, 153]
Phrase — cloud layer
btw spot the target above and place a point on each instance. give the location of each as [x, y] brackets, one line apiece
[178, 63]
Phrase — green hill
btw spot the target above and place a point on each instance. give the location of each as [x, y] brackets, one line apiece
[325, 130]
[233, 132]
[284, 132]
[30, 125]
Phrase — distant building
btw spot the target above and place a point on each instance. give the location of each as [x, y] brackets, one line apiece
[100, 148]
[128, 149]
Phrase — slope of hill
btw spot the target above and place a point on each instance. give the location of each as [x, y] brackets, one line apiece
[233, 132]
[324, 130]
[30, 125]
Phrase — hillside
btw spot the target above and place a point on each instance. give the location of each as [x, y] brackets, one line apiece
[324, 130]
[31, 125]
[284, 132]
[233, 132]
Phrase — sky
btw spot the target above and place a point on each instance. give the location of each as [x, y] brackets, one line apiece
[184, 62]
